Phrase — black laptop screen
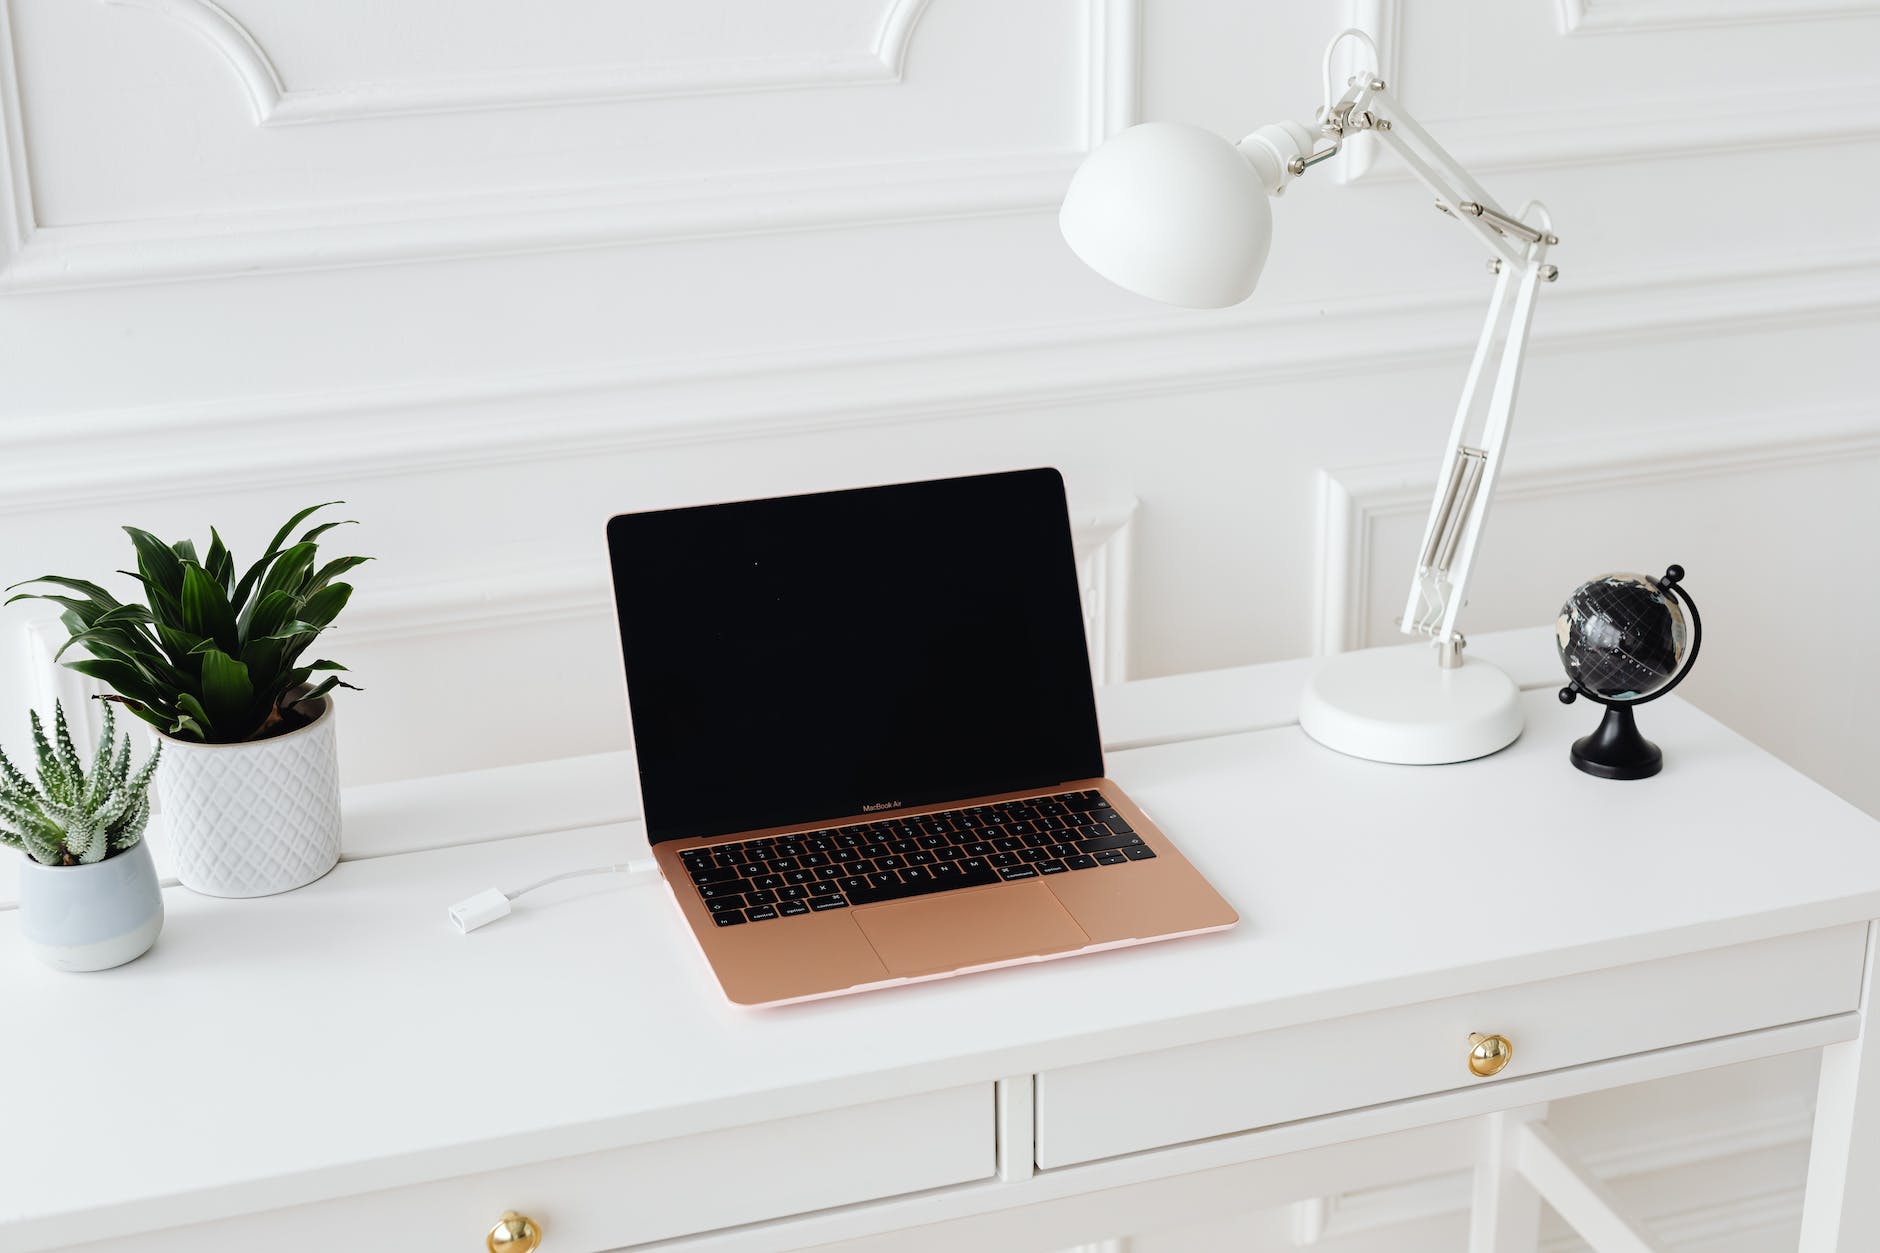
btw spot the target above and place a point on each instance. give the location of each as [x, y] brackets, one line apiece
[810, 658]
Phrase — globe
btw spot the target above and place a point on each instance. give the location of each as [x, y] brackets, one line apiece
[1623, 637]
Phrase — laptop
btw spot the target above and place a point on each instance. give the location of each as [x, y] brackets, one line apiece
[867, 742]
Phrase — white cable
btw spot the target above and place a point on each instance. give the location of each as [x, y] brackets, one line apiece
[491, 903]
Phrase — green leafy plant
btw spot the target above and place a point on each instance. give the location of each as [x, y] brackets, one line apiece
[74, 818]
[212, 658]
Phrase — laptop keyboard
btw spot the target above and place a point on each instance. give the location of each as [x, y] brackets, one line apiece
[890, 860]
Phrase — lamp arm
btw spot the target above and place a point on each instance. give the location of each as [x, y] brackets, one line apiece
[1471, 461]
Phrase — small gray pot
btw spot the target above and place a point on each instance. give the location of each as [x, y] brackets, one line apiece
[91, 917]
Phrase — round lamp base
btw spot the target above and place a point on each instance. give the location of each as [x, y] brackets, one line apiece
[1399, 705]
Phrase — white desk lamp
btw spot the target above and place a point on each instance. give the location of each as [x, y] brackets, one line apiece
[1180, 214]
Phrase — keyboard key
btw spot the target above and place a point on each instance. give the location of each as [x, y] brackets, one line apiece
[831, 872]
[921, 857]
[1052, 867]
[890, 863]
[978, 848]
[792, 893]
[763, 913]
[1140, 853]
[1018, 872]
[919, 885]
[783, 863]
[790, 909]
[902, 846]
[713, 876]
[884, 879]
[812, 860]
[722, 904]
[1003, 859]
[854, 883]
[730, 918]
[789, 848]
[1115, 822]
[760, 898]
[800, 876]
[1006, 843]
[1101, 842]
[768, 883]
[937, 839]
[821, 903]
[823, 888]
[1109, 857]
[712, 891]
[1039, 839]
[1062, 850]
[1080, 862]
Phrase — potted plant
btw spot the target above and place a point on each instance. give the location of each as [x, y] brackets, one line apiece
[214, 662]
[88, 891]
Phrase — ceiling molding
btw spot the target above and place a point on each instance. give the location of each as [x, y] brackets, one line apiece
[274, 103]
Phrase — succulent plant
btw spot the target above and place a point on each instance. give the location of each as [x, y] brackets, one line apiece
[73, 818]
[213, 658]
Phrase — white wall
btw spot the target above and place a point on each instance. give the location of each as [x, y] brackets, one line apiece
[492, 272]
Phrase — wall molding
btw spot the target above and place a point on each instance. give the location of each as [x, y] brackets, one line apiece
[63, 258]
[416, 615]
[1353, 502]
[274, 103]
[1722, 121]
[1595, 17]
[263, 441]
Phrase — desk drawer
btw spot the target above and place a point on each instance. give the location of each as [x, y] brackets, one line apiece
[1129, 1104]
[625, 1197]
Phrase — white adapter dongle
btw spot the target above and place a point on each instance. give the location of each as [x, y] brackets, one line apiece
[476, 911]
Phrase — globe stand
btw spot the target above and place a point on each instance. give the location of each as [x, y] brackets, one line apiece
[1616, 750]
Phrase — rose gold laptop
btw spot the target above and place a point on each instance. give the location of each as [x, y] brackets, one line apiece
[867, 741]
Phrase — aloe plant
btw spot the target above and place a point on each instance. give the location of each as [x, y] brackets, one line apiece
[73, 817]
[212, 658]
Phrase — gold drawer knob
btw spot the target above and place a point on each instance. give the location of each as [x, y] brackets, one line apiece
[514, 1233]
[1489, 1054]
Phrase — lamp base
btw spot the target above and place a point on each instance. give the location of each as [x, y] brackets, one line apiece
[1398, 705]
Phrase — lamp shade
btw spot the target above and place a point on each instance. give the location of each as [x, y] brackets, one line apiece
[1171, 212]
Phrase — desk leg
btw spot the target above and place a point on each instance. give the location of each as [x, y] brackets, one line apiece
[1841, 1213]
[1505, 1216]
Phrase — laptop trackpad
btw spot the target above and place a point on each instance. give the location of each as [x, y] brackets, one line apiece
[955, 929]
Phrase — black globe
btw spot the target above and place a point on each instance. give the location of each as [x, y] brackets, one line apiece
[1622, 637]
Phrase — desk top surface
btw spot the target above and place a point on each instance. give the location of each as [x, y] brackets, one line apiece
[344, 1037]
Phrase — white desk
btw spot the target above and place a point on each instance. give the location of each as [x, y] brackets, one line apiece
[336, 1068]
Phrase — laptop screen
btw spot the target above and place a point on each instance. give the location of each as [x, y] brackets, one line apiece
[811, 658]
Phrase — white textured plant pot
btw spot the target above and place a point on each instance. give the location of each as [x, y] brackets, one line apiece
[253, 819]
[91, 917]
